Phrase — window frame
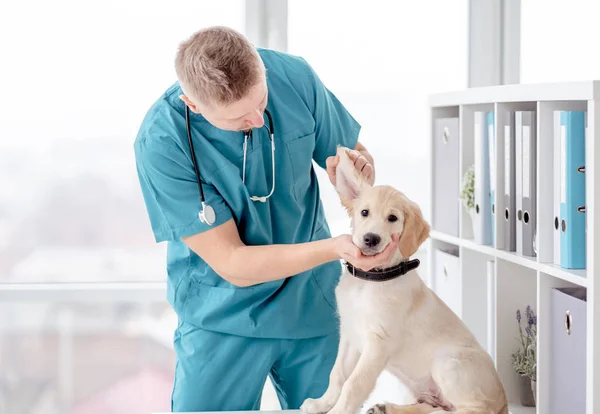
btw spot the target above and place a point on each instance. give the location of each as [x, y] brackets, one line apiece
[494, 42]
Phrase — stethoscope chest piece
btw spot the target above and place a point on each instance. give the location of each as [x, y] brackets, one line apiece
[207, 215]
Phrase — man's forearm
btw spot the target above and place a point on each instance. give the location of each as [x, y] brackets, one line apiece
[251, 265]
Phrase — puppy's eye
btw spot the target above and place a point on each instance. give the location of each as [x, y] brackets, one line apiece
[392, 218]
[364, 213]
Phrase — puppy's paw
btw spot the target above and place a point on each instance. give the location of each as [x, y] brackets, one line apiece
[312, 406]
[337, 409]
[378, 409]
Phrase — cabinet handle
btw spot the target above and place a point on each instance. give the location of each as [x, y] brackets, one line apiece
[568, 323]
[445, 271]
[446, 135]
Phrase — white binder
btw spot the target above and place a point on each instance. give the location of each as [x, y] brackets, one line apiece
[525, 128]
[492, 171]
[447, 176]
[482, 224]
[556, 187]
[508, 226]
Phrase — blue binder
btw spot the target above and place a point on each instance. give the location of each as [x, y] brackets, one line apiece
[492, 151]
[572, 190]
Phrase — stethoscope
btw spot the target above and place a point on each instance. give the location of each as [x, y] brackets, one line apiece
[207, 214]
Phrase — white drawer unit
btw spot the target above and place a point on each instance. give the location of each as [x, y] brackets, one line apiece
[567, 351]
[447, 279]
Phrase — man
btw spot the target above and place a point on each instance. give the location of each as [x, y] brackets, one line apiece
[254, 290]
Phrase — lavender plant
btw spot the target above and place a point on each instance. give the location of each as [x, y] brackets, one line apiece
[524, 359]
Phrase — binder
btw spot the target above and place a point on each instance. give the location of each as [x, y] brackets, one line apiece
[556, 187]
[517, 217]
[525, 137]
[508, 221]
[482, 229]
[447, 175]
[572, 190]
[492, 164]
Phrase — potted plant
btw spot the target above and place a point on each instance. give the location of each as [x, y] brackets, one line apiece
[524, 359]
[467, 194]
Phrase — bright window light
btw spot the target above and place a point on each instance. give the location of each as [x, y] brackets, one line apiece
[559, 41]
[382, 59]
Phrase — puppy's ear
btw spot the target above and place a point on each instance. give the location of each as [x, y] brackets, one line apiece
[349, 182]
[415, 230]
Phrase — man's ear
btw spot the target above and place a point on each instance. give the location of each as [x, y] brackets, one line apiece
[349, 183]
[188, 102]
[415, 230]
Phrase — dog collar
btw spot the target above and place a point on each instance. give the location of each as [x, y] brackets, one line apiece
[384, 274]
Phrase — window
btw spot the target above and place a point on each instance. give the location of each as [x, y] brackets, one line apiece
[382, 59]
[82, 76]
[558, 41]
[77, 79]
[75, 357]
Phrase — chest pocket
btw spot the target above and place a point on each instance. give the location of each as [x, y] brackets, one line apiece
[300, 151]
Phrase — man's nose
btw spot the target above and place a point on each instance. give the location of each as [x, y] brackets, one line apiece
[256, 120]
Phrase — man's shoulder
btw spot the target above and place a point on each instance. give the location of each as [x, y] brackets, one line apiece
[160, 119]
[270, 56]
[289, 73]
[285, 65]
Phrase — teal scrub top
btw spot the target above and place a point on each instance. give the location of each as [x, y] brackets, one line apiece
[309, 123]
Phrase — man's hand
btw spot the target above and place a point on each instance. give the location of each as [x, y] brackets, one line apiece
[363, 162]
[349, 252]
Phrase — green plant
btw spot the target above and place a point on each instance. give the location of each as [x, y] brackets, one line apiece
[524, 359]
[467, 194]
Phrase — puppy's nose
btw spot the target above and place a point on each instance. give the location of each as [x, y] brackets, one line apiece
[371, 239]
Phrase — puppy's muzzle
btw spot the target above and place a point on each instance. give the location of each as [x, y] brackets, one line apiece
[371, 240]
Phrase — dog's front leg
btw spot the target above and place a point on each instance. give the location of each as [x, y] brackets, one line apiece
[362, 381]
[345, 362]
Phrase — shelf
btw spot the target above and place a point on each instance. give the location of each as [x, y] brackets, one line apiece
[576, 276]
[567, 91]
[488, 284]
[437, 235]
[519, 409]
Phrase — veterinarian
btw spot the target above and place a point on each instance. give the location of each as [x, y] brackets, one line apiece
[252, 280]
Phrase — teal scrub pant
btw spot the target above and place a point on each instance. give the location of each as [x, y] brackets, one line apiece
[220, 372]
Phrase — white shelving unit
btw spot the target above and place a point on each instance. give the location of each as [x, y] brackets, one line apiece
[489, 309]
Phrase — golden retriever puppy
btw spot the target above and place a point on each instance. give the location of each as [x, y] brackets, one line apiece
[390, 320]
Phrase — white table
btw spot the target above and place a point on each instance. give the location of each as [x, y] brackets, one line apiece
[244, 412]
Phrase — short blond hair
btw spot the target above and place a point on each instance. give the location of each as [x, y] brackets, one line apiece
[218, 65]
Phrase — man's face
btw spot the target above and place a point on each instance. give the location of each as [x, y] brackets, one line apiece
[242, 115]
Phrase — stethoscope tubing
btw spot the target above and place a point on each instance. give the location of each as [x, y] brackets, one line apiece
[203, 213]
